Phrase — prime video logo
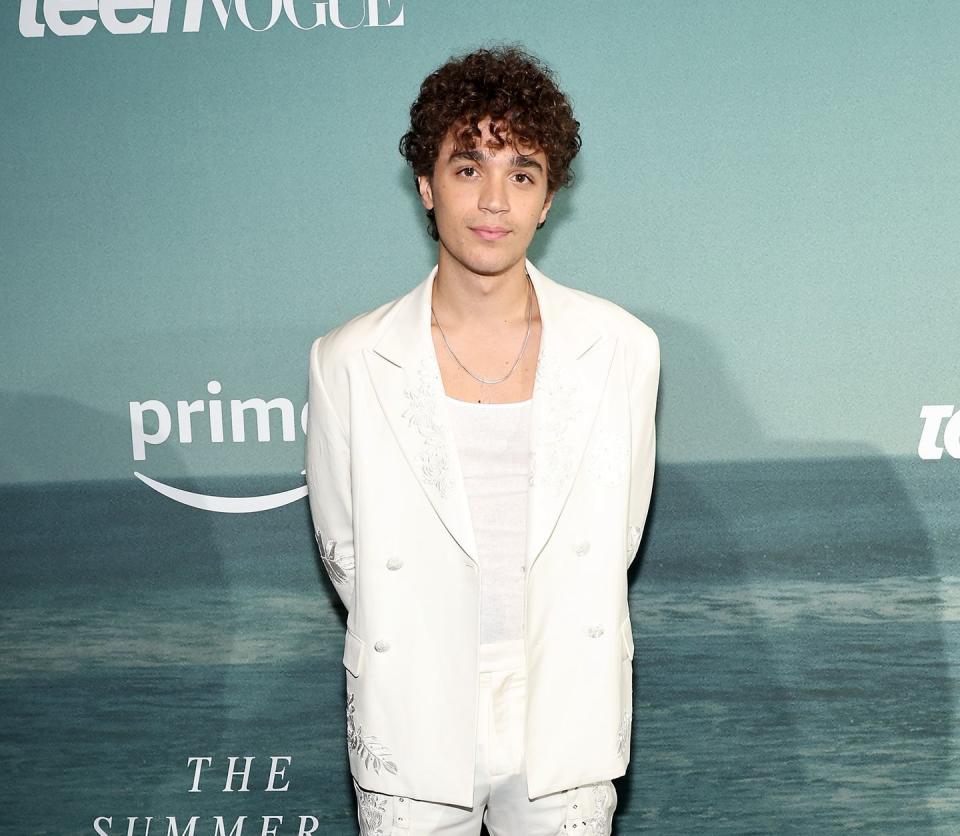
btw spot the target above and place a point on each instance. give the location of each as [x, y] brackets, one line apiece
[122, 17]
[161, 421]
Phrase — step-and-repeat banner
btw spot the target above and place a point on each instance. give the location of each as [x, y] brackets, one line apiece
[192, 190]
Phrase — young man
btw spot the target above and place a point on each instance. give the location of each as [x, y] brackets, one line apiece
[480, 459]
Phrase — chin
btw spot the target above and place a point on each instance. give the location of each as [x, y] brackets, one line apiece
[492, 268]
[484, 260]
[496, 261]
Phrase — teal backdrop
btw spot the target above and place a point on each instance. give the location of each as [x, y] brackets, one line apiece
[772, 186]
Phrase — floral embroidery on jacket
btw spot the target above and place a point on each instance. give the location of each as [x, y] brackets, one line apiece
[339, 566]
[608, 459]
[633, 539]
[373, 807]
[422, 412]
[623, 733]
[371, 751]
[555, 467]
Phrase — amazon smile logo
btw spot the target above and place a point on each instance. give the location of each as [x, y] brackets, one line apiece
[153, 423]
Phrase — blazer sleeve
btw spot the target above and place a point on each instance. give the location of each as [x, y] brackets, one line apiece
[327, 459]
[643, 384]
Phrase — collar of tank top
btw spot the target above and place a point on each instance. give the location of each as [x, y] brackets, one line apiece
[471, 403]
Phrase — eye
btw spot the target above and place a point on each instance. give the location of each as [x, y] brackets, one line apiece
[526, 177]
[468, 168]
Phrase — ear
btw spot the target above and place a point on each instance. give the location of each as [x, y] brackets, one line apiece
[426, 191]
[546, 207]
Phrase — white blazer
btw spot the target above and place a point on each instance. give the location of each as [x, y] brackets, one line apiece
[393, 525]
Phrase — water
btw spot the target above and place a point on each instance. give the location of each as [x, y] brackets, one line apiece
[797, 653]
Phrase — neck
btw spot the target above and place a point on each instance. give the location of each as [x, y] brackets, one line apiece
[461, 296]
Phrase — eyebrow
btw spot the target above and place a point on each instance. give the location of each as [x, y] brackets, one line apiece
[478, 156]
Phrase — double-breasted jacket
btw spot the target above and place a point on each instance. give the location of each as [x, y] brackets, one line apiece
[393, 526]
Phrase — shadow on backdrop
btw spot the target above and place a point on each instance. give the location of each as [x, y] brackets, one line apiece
[792, 673]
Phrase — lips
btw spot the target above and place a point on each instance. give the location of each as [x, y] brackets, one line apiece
[490, 233]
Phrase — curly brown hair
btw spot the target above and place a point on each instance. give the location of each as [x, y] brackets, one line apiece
[519, 94]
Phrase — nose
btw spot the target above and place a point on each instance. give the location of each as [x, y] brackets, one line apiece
[493, 195]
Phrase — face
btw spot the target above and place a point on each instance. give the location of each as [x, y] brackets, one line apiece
[487, 202]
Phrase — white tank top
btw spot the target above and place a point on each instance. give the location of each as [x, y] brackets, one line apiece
[493, 441]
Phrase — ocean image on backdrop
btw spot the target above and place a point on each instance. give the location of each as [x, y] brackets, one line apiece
[796, 659]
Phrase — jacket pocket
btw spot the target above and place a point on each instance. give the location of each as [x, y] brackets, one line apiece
[626, 634]
[353, 651]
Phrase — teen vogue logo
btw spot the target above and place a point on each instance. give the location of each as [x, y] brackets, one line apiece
[124, 17]
[934, 416]
[181, 420]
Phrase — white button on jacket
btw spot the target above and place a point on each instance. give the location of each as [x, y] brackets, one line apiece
[385, 484]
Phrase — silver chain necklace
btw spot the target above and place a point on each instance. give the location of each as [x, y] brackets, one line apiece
[522, 348]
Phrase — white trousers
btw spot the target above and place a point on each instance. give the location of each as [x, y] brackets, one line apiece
[500, 789]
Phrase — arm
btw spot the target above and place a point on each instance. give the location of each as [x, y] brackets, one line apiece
[328, 483]
[643, 384]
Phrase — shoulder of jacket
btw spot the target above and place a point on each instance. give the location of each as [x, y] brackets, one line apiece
[638, 337]
[333, 351]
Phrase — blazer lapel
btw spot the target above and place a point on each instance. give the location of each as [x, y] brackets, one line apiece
[575, 359]
[406, 378]
[572, 368]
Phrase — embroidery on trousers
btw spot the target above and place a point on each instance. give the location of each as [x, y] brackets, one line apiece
[373, 807]
[590, 810]
[602, 799]
[422, 412]
[623, 733]
[339, 566]
[370, 750]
